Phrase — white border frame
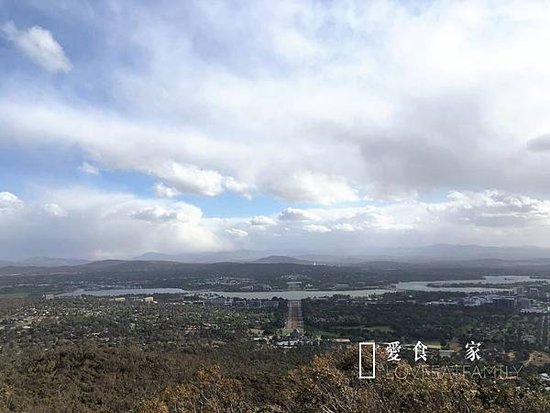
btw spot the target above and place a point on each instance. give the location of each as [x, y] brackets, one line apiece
[361, 344]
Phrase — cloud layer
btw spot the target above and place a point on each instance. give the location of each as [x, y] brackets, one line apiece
[95, 224]
[380, 121]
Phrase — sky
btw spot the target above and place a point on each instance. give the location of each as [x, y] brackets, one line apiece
[199, 126]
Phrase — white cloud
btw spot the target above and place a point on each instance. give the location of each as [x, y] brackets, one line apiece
[316, 228]
[241, 188]
[295, 214]
[310, 103]
[493, 208]
[9, 201]
[89, 169]
[106, 224]
[237, 233]
[320, 188]
[191, 179]
[392, 101]
[180, 212]
[54, 210]
[344, 227]
[39, 45]
[99, 224]
[262, 221]
[165, 191]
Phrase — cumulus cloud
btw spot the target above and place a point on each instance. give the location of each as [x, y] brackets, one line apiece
[295, 214]
[392, 102]
[175, 211]
[191, 179]
[39, 45]
[241, 188]
[9, 201]
[320, 188]
[492, 208]
[165, 191]
[262, 221]
[96, 224]
[373, 120]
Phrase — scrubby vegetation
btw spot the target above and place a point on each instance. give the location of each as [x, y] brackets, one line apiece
[329, 383]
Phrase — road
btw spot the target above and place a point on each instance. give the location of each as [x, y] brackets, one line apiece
[295, 319]
[543, 335]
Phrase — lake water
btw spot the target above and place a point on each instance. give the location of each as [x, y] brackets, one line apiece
[288, 295]
[124, 291]
[491, 279]
[301, 294]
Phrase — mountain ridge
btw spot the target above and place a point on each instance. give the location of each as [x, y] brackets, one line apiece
[436, 252]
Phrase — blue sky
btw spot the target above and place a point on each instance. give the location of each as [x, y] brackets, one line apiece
[206, 126]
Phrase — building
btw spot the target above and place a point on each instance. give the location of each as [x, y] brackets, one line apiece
[217, 301]
[474, 301]
[254, 303]
[270, 304]
[504, 302]
[149, 300]
[520, 291]
[294, 285]
[523, 303]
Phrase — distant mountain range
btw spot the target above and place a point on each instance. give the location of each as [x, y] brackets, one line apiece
[438, 252]
[206, 257]
[449, 251]
[43, 262]
[281, 259]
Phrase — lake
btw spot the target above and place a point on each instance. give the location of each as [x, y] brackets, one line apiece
[301, 294]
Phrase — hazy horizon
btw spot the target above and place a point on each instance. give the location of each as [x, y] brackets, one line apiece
[421, 252]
